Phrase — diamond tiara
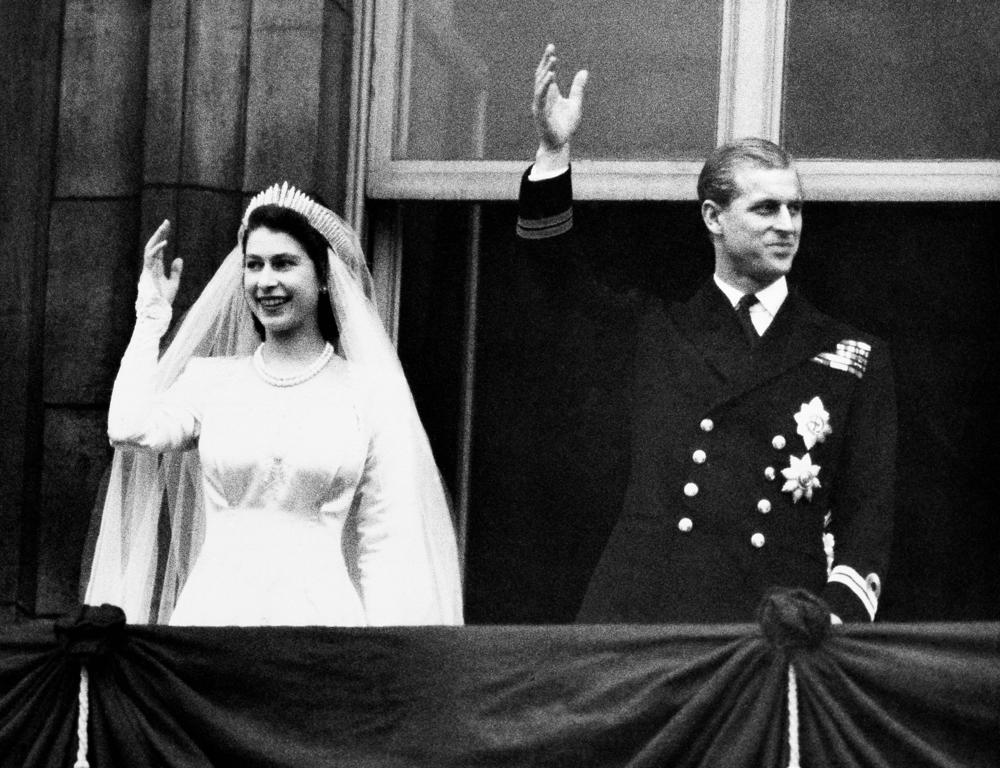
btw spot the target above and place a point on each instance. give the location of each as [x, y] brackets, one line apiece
[338, 234]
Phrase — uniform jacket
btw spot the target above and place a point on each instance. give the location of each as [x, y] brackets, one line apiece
[743, 458]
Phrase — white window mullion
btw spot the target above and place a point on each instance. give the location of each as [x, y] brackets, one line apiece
[389, 29]
[357, 139]
[377, 96]
[750, 76]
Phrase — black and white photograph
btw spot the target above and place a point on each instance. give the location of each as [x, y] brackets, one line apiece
[462, 384]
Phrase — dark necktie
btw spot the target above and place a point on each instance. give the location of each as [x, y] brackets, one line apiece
[743, 315]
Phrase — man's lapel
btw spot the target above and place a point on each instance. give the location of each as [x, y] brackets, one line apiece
[797, 333]
[709, 325]
[710, 333]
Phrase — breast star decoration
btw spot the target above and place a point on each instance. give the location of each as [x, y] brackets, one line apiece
[813, 422]
[800, 477]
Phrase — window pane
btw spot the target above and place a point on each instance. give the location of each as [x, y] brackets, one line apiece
[866, 79]
[468, 68]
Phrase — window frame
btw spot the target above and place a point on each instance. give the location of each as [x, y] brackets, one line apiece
[750, 103]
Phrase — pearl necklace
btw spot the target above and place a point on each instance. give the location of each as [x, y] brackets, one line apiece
[307, 373]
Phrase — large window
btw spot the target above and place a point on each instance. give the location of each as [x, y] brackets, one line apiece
[879, 100]
[521, 375]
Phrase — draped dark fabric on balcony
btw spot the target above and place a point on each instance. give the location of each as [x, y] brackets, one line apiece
[607, 696]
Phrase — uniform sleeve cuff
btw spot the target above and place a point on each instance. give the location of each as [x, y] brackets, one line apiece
[850, 596]
[545, 207]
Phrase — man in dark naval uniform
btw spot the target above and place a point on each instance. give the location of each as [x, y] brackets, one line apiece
[763, 431]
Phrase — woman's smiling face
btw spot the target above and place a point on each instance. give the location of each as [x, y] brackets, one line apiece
[280, 283]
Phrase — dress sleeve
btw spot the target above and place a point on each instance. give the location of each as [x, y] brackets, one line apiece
[395, 562]
[141, 416]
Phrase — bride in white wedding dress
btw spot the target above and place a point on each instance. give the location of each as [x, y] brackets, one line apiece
[295, 473]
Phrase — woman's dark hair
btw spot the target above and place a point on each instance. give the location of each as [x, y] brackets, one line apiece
[295, 225]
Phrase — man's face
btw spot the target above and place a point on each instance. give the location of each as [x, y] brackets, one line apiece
[756, 236]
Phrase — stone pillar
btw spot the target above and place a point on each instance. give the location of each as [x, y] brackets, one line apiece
[29, 59]
[90, 271]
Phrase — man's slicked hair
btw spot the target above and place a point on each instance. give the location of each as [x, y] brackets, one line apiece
[717, 180]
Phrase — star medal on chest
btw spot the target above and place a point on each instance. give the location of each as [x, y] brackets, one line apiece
[813, 423]
[801, 477]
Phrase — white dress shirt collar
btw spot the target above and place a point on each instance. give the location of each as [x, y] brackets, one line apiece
[769, 301]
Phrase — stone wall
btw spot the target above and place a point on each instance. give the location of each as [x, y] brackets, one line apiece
[130, 112]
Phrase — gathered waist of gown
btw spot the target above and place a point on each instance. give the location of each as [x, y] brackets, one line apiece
[277, 515]
[270, 565]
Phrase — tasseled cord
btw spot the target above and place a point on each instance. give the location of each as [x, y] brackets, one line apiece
[793, 619]
[89, 636]
[793, 719]
[83, 715]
